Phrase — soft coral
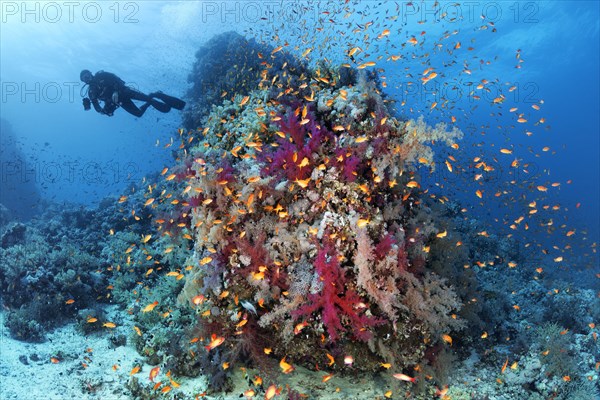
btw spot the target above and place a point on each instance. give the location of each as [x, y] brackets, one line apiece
[259, 256]
[286, 160]
[348, 163]
[335, 299]
[295, 155]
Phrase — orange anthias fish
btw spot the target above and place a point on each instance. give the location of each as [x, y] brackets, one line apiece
[214, 342]
[442, 392]
[298, 328]
[153, 373]
[150, 307]
[286, 368]
[504, 366]
[447, 338]
[271, 392]
[405, 378]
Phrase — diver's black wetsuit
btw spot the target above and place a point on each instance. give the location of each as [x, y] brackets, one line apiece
[113, 92]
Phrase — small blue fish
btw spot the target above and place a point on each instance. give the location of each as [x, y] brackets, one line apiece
[248, 306]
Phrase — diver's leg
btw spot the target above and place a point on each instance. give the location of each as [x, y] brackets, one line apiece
[170, 100]
[144, 107]
[131, 95]
[160, 106]
[135, 95]
[131, 108]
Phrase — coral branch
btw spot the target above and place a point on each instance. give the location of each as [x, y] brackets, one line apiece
[335, 300]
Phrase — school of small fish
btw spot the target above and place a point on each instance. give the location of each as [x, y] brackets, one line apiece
[528, 198]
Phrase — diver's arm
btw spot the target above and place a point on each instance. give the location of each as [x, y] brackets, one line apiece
[93, 96]
[97, 106]
[109, 108]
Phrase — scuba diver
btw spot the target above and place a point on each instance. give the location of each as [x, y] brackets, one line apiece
[114, 93]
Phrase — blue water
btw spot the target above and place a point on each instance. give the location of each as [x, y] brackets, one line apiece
[80, 156]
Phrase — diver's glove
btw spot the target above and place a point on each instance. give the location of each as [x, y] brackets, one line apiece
[86, 104]
[115, 97]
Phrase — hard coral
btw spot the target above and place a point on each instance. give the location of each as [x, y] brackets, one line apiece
[229, 63]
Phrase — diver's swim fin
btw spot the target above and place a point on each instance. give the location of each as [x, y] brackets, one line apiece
[174, 102]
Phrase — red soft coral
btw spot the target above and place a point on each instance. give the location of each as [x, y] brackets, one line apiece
[384, 246]
[291, 126]
[347, 162]
[297, 151]
[335, 300]
[184, 170]
[259, 256]
[288, 160]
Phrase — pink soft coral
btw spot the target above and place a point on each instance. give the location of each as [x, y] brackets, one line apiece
[335, 300]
